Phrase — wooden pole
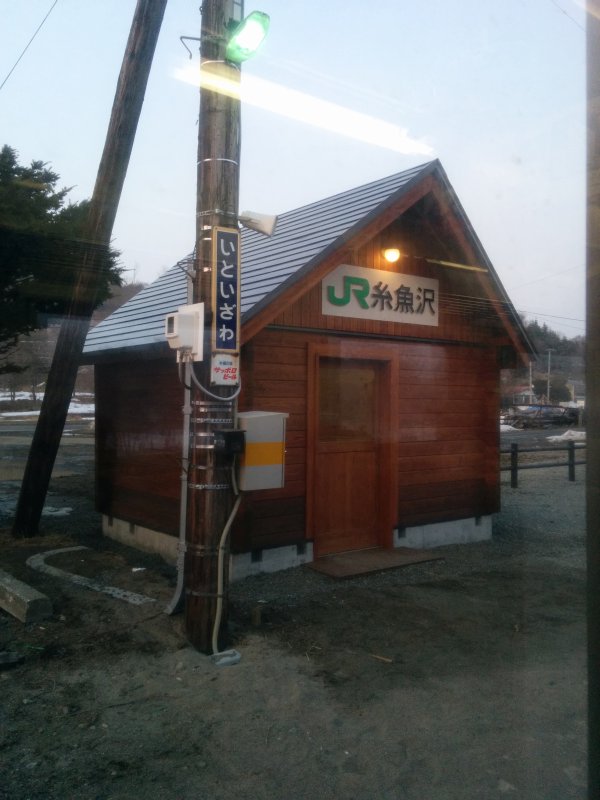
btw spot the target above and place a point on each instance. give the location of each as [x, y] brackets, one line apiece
[126, 109]
[210, 493]
[592, 402]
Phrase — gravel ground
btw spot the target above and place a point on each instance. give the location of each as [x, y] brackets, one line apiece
[455, 679]
[543, 519]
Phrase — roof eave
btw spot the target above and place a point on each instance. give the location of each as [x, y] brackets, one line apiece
[144, 352]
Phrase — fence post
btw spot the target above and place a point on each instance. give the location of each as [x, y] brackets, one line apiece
[571, 456]
[514, 465]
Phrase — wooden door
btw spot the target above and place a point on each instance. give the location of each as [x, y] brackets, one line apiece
[347, 474]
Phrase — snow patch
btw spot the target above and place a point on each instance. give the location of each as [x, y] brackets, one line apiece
[568, 436]
[49, 511]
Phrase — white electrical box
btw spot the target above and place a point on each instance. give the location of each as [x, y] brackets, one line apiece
[262, 466]
[184, 331]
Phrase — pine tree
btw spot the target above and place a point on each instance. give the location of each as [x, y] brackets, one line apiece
[39, 250]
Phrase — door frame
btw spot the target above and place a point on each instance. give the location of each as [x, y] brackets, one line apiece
[387, 357]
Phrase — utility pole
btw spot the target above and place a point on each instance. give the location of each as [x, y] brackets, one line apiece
[210, 489]
[126, 109]
[593, 394]
[530, 381]
[548, 379]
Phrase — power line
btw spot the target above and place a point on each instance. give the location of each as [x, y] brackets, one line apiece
[548, 277]
[37, 30]
[549, 316]
[573, 20]
[577, 326]
[487, 308]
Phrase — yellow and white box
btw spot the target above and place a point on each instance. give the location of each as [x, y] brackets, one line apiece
[262, 465]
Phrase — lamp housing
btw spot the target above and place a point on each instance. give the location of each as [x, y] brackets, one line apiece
[247, 36]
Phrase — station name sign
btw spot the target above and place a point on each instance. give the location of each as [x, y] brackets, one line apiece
[225, 333]
[375, 294]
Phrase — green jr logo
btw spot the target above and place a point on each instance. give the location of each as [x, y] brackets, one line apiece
[359, 287]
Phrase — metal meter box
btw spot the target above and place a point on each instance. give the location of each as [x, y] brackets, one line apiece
[184, 331]
[263, 463]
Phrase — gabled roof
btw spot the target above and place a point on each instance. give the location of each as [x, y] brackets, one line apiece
[271, 266]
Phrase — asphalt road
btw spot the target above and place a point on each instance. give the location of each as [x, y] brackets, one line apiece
[75, 452]
[77, 426]
[15, 426]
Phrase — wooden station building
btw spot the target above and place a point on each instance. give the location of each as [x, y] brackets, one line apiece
[389, 373]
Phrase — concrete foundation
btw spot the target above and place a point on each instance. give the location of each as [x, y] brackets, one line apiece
[462, 531]
[242, 564]
[458, 531]
[270, 560]
[143, 538]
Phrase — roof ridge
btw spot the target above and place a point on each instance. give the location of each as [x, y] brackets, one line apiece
[361, 188]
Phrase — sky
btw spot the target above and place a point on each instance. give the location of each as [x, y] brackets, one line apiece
[495, 90]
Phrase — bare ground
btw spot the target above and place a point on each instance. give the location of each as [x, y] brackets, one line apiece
[463, 678]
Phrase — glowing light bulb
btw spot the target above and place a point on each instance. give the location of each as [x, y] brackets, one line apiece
[391, 254]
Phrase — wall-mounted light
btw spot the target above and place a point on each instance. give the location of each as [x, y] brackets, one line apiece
[391, 254]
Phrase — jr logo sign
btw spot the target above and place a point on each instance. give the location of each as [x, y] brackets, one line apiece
[363, 293]
[359, 287]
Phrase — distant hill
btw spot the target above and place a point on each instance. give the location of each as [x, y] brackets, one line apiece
[565, 358]
[33, 353]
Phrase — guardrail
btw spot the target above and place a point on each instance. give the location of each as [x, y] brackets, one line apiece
[515, 466]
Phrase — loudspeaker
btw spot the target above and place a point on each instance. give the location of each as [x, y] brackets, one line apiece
[263, 223]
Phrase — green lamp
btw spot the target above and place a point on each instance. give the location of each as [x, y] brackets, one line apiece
[247, 37]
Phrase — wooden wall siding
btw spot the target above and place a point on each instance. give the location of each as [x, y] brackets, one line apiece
[445, 436]
[138, 443]
[274, 375]
[448, 435]
[465, 315]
